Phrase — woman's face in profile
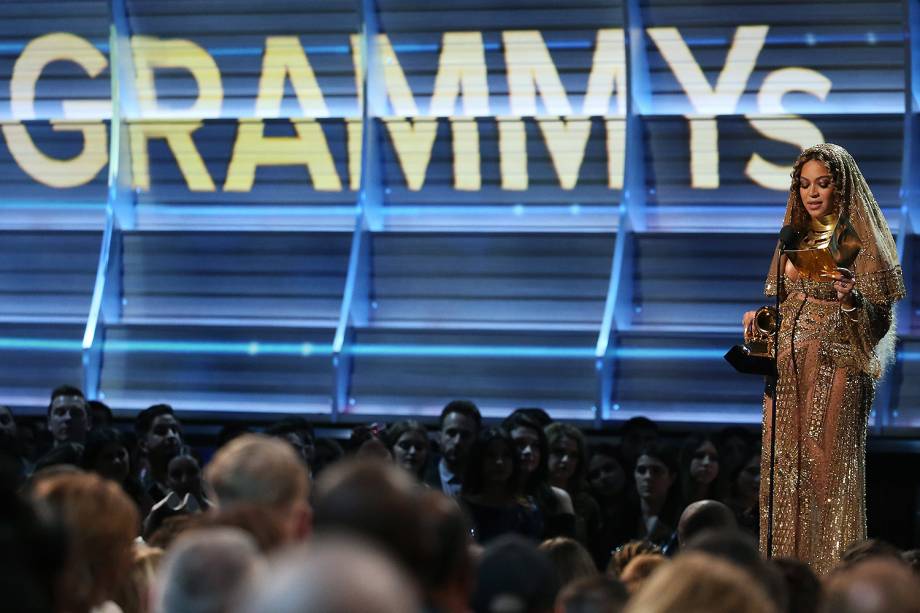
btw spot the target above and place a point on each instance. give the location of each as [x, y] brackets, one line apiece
[816, 188]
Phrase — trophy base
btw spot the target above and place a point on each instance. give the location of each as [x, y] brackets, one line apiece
[746, 361]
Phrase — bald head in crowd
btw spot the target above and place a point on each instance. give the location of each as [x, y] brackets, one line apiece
[262, 471]
[333, 575]
[704, 515]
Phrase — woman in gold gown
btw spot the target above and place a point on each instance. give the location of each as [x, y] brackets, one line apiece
[835, 337]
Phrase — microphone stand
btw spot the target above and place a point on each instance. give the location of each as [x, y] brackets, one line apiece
[772, 385]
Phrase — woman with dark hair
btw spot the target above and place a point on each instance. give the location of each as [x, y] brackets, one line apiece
[658, 509]
[408, 443]
[744, 492]
[701, 477]
[554, 504]
[488, 494]
[108, 454]
[836, 337]
[609, 485]
[568, 465]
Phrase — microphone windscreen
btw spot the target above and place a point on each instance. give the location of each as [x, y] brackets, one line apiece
[787, 237]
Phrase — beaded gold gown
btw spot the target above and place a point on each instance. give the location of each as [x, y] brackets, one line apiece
[828, 365]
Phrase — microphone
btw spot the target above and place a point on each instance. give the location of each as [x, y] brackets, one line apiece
[787, 237]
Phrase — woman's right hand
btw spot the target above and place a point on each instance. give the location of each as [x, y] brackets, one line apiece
[748, 321]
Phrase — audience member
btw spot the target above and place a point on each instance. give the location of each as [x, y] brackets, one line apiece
[100, 414]
[744, 493]
[460, 423]
[739, 549]
[407, 441]
[206, 571]
[255, 469]
[376, 502]
[448, 573]
[33, 554]
[877, 584]
[658, 496]
[911, 557]
[868, 548]
[570, 559]
[568, 465]
[624, 554]
[489, 495]
[101, 522]
[68, 422]
[608, 484]
[514, 576]
[694, 583]
[639, 569]
[734, 443]
[597, 594]
[802, 585]
[159, 439]
[332, 575]
[135, 594]
[700, 474]
[108, 454]
[299, 433]
[554, 505]
[327, 452]
[704, 515]
[636, 433]
[185, 492]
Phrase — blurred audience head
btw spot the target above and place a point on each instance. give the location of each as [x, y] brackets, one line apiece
[698, 583]
[802, 585]
[570, 559]
[255, 469]
[68, 415]
[597, 594]
[623, 554]
[448, 570]
[7, 423]
[459, 424]
[332, 575]
[374, 501]
[868, 548]
[408, 443]
[514, 577]
[183, 475]
[874, 585]
[704, 515]
[206, 570]
[33, 554]
[102, 523]
[639, 569]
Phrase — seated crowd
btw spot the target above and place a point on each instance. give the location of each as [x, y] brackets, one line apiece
[523, 516]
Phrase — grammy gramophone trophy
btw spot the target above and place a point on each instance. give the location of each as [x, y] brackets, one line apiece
[755, 355]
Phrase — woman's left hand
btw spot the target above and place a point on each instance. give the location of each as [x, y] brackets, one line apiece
[844, 284]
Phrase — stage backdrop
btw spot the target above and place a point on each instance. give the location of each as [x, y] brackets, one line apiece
[368, 208]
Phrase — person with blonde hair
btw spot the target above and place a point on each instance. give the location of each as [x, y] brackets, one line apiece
[698, 583]
[255, 469]
[101, 522]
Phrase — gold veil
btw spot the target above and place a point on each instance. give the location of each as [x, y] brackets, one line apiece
[878, 273]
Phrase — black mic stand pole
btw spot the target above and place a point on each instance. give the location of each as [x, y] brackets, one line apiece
[772, 385]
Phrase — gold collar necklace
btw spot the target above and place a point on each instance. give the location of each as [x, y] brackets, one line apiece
[820, 230]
